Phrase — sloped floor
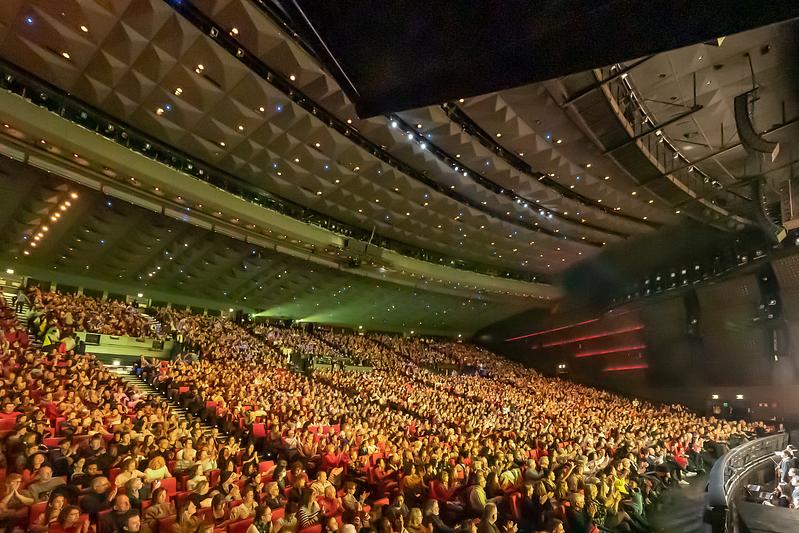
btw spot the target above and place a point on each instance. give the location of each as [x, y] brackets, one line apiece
[680, 508]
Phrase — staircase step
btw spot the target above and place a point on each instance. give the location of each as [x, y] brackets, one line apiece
[125, 373]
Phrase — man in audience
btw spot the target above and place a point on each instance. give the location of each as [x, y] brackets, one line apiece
[98, 498]
[43, 483]
[117, 519]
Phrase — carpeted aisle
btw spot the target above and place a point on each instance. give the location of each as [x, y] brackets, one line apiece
[680, 508]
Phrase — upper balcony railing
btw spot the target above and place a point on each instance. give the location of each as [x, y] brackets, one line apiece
[672, 164]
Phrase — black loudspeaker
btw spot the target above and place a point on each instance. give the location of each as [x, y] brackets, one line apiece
[751, 140]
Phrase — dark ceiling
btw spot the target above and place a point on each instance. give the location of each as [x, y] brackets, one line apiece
[393, 56]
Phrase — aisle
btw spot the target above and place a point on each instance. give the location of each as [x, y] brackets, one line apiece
[681, 507]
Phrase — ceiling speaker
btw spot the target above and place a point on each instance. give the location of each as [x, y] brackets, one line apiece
[751, 140]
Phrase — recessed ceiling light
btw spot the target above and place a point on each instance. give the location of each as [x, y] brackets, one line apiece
[349, 121]
[418, 126]
[317, 145]
[178, 91]
[634, 193]
[241, 127]
[159, 111]
[499, 135]
[292, 77]
[651, 201]
[461, 100]
[222, 143]
[65, 54]
[559, 141]
[521, 154]
[84, 29]
[261, 109]
[677, 211]
[234, 31]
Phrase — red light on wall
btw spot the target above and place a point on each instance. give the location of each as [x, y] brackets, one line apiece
[597, 336]
[624, 368]
[611, 350]
[551, 330]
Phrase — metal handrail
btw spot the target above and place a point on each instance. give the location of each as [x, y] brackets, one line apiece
[661, 150]
[730, 468]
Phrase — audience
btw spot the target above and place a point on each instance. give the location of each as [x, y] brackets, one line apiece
[439, 436]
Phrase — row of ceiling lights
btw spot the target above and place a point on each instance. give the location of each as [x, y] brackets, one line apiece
[37, 235]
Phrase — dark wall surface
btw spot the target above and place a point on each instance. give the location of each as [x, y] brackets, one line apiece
[730, 344]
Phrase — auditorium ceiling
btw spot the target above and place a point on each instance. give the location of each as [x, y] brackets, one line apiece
[528, 181]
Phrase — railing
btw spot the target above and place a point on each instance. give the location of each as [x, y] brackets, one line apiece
[646, 132]
[730, 470]
[57, 101]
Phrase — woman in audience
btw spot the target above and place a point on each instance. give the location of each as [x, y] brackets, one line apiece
[219, 510]
[55, 503]
[70, 521]
[289, 521]
[195, 477]
[160, 507]
[187, 520]
[13, 503]
[308, 512]
[128, 472]
[136, 492]
[247, 507]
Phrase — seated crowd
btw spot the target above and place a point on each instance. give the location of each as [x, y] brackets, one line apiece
[401, 449]
[68, 313]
